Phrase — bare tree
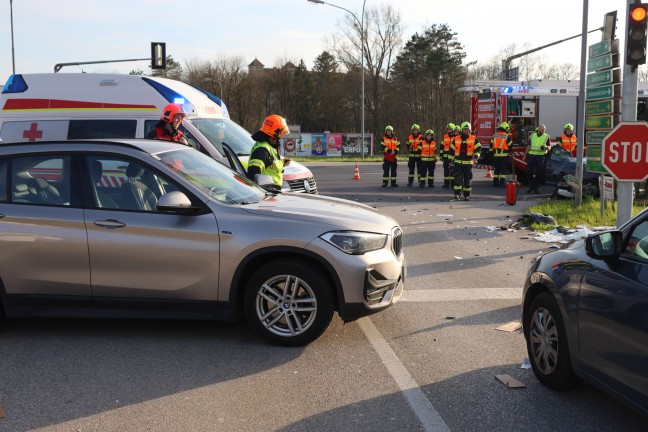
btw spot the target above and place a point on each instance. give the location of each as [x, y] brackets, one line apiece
[382, 37]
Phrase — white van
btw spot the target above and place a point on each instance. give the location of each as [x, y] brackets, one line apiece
[52, 106]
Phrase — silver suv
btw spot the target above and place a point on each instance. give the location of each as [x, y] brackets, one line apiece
[153, 229]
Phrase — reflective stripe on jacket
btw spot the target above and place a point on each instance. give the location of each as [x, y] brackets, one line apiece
[413, 145]
[500, 144]
[428, 150]
[275, 171]
[538, 143]
[389, 144]
[568, 143]
[471, 146]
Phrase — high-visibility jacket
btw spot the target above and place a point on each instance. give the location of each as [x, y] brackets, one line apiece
[568, 143]
[500, 144]
[389, 144]
[445, 150]
[414, 145]
[274, 170]
[463, 150]
[428, 151]
[537, 144]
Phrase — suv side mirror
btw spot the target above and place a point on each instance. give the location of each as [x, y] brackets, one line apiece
[605, 245]
[176, 202]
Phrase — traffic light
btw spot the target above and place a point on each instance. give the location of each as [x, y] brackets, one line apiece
[158, 55]
[637, 35]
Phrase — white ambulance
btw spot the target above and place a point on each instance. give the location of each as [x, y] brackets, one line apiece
[53, 106]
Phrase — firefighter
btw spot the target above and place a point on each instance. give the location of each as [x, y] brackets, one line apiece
[414, 149]
[444, 151]
[540, 143]
[428, 159]
[264, 156]
[465, 149]
[389, 147]
[501, 144]
[168, 127]
[568, 139]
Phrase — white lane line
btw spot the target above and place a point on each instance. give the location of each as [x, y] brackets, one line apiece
[461, 294]
[429, 417]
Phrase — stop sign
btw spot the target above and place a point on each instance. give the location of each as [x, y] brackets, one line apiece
[625, 151]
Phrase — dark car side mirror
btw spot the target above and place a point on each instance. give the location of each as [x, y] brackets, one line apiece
[606, 245]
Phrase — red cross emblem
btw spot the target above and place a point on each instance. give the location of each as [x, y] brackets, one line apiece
[32, 134]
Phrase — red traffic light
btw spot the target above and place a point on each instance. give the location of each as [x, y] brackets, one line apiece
[638, 14]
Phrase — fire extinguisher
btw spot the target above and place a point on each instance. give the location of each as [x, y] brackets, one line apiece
[512, 187]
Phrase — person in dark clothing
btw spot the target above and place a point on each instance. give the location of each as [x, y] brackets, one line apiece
[264, 156]
[168, 126]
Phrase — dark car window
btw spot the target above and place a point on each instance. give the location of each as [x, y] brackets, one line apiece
[96, 129]
[637, 246]
[3, 180]
[41, 180]
[193, 142]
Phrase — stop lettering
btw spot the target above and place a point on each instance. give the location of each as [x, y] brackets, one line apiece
[624, 151]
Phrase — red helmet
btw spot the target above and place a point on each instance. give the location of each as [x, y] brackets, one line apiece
[275, 126]
[170, 111]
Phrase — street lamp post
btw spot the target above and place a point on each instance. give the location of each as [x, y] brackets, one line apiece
[362, 71]
[13, 55]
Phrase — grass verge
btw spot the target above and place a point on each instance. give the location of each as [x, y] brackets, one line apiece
[589, 214]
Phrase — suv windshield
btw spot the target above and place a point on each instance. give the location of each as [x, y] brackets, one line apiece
[212, 177]
[219, 130]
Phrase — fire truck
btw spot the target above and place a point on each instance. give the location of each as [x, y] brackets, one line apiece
[524, 105]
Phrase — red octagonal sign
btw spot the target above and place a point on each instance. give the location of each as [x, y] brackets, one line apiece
[625, 151]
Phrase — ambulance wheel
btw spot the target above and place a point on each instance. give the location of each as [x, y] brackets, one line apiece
[288, 302]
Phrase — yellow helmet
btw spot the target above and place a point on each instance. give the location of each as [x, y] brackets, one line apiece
[569, 126]
[465, 125]
[415, 126]
[429, 131]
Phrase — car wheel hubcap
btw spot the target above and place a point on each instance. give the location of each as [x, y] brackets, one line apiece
[544, 341]
[286, 305]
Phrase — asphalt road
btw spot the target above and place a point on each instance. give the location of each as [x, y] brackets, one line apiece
[428, 363]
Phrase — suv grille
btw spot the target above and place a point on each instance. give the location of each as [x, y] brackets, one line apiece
[397, 241]
[307, 185]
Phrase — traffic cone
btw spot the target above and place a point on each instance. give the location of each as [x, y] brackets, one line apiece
[489, 172]
[356, 175]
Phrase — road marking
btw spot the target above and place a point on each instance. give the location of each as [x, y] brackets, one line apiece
[429, 417]
[461, 294]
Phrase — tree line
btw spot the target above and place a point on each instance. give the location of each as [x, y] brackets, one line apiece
[415, 82]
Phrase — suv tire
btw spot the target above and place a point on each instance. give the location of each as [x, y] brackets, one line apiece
[288, 302]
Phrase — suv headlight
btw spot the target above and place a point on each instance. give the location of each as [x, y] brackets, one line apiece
[355, 242]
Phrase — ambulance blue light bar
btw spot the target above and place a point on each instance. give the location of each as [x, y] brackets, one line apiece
[15, 84]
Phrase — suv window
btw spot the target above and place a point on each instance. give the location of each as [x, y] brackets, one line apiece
[94, 129]
[3, 180]
[120, 183]
[150, 124]
[41, 180]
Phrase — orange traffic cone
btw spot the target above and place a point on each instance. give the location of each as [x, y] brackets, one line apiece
[489, 172]
[356, 175]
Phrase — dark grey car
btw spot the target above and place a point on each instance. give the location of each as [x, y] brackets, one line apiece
[142, 228]
[585, 313]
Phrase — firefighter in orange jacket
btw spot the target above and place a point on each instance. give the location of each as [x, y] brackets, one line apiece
[444, 152]
[568, 140]
[464, 150]
[414, 149]
[428, 159]
[168, 128]
[501, 147]
[389, 147]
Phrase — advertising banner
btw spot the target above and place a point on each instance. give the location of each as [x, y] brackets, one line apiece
[334, 144]
[318, 147]
[351, 144]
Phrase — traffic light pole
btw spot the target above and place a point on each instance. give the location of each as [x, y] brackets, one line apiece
[628, 113]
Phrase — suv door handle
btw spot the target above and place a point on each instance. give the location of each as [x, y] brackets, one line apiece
[109, 223]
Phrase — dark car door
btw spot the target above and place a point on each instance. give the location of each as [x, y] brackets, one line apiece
[613, 317]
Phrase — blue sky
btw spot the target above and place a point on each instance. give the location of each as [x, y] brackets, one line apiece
[47, 32]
